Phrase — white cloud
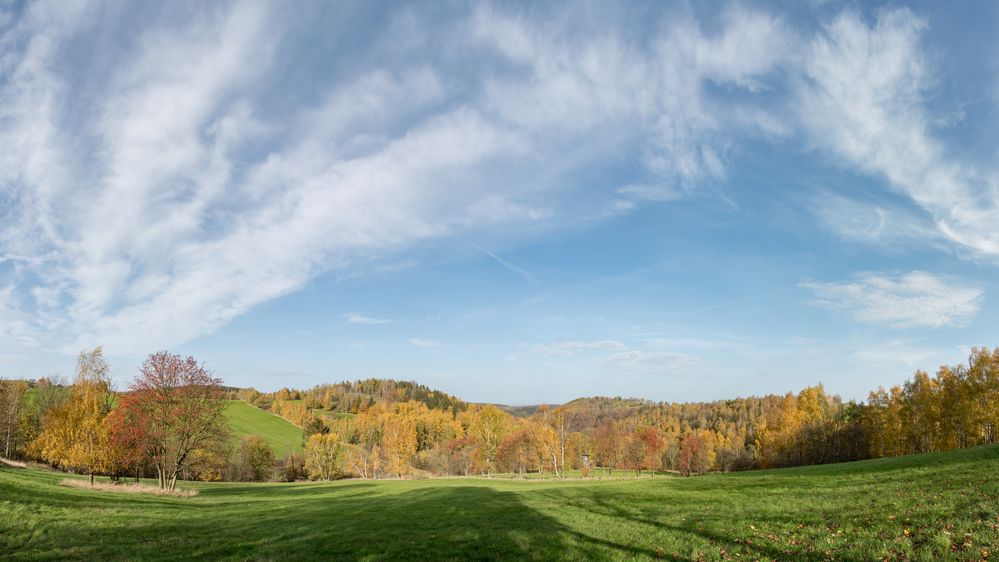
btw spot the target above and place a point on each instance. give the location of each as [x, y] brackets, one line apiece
[862, 98]
[564, 348]
[659, 343]
[16, 330]
[604, 345]
[355, 318]
[916, 299]
[550, 351]
[163, 198]
[656, 362]
[871, 222]
[424, 343]
[911, 355]
[652, 192]
[577, 81]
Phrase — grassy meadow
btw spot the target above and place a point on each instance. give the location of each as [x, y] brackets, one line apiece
[280, 434]
[935, 506]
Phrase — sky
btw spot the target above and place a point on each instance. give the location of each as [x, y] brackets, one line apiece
[512, 202]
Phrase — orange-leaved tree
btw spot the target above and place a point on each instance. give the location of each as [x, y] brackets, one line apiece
[695, 455]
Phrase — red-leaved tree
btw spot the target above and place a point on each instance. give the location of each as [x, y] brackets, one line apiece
[654, 447]
[174, 410]
[128, 435]
[695, 455]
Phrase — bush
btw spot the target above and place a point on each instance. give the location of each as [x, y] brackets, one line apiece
[253, 461]
[293, 468]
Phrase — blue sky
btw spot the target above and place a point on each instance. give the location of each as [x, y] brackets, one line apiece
[511, 202]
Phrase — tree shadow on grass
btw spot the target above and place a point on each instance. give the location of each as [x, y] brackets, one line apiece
[702, 526]
[434, 523]
[348, 523]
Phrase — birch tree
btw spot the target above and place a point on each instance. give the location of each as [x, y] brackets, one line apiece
[11, 405]
[75, 435]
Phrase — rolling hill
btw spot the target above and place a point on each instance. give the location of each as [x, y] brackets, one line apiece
[279, 433]
[933, 506]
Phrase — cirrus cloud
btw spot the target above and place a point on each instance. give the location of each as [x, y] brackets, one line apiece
[172, 179]
[564, 348]
[355, 318]
[914, 299]
[423, 343]
[655, 362]
[862, 96]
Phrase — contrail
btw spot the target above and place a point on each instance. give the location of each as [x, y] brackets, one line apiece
[526, 275]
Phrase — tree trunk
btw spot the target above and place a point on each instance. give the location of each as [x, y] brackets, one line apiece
[91, 477]
[6, 450]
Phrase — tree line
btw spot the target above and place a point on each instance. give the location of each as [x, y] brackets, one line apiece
[170, 424]
[388, 434]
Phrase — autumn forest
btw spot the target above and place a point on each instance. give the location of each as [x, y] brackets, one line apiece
[170, 424]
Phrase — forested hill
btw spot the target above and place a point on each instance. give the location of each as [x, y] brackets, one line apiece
[347, 397]
[956, 408]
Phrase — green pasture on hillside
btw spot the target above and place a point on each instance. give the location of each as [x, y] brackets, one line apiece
[939, 506]
[246, 419]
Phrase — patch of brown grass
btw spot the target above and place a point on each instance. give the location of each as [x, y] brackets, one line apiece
[13, 464]
[127, 488]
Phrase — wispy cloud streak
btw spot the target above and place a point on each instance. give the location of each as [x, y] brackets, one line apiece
[915, 299]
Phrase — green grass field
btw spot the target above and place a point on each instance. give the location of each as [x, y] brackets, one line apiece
[245, 419]
[937, 506]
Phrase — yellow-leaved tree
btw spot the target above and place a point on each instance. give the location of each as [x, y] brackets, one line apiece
[398, 443]
[487, 425]
[324, 456]
[75, 435]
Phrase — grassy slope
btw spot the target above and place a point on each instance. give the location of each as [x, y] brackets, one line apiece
[938, 506]
[280, 434]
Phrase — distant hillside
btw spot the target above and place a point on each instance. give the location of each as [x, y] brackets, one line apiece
[603, 409]
[519, 411]
[347, 397]
[279, 433]
[597, 409]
